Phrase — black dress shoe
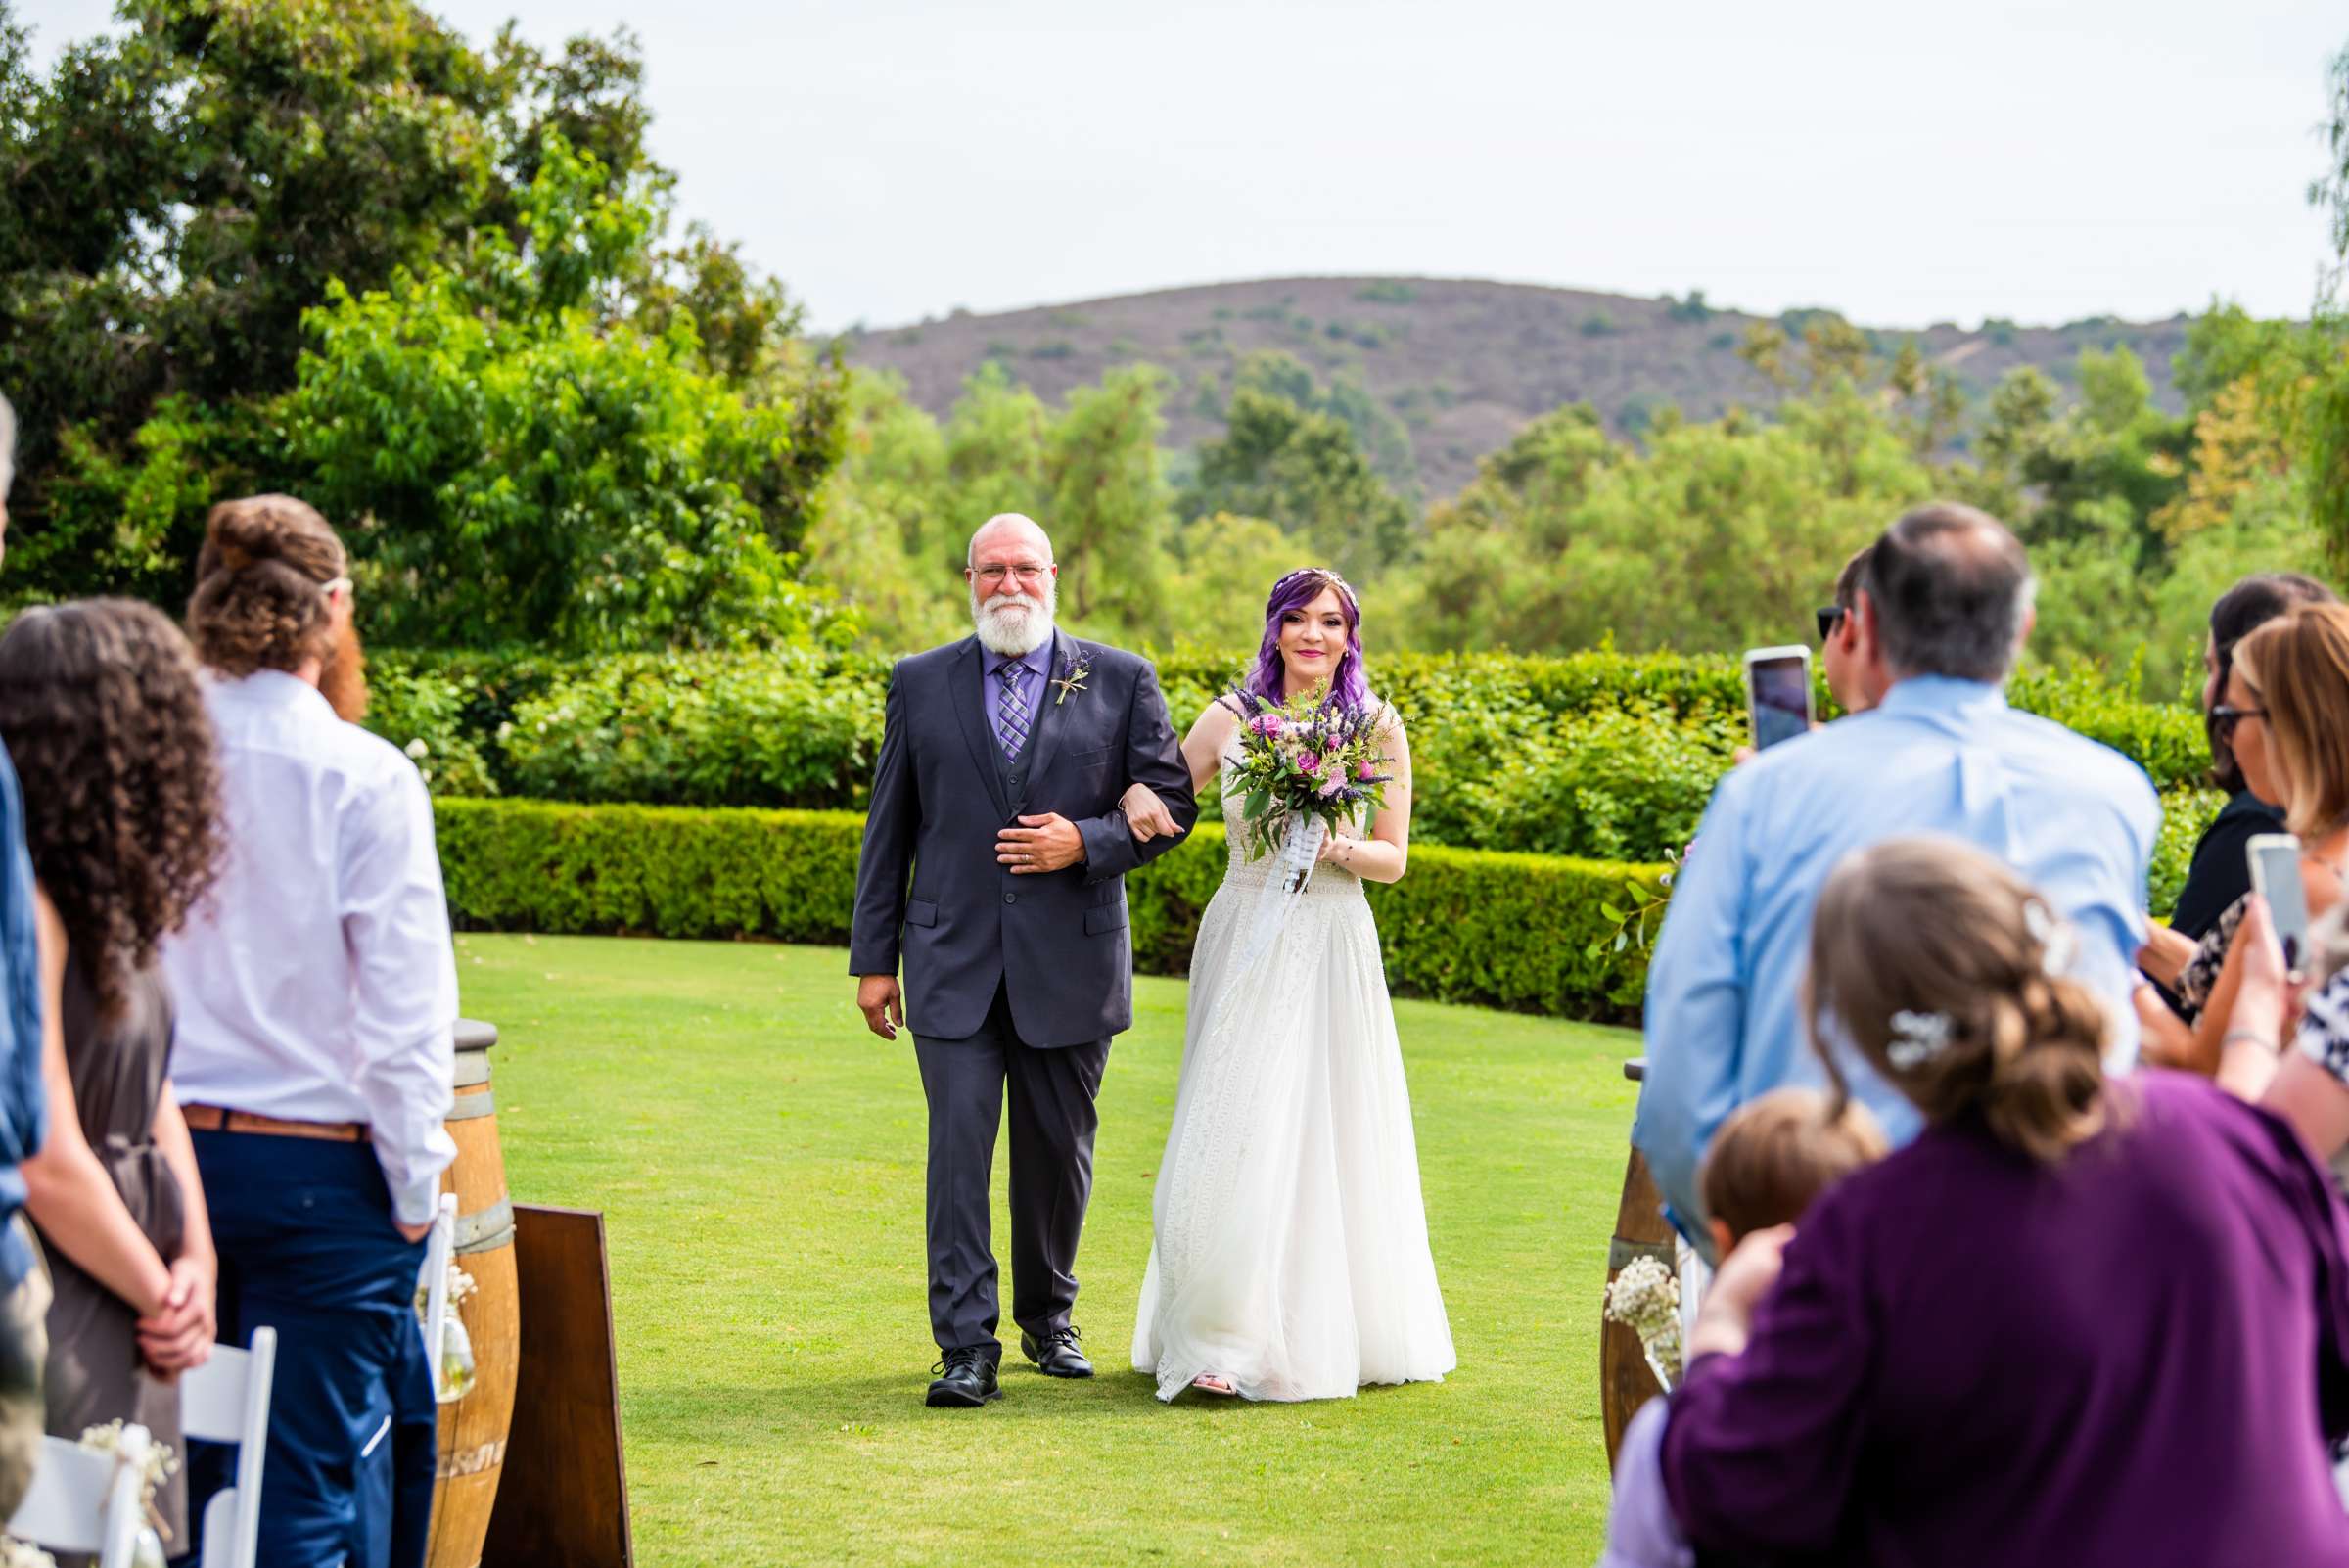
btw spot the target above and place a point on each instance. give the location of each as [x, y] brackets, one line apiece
[1056, 1355]
[965, 1379]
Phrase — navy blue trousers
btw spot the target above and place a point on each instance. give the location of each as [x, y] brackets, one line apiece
[307, 1247]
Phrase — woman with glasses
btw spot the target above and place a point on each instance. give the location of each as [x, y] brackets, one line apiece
[2284, 716]
[2219, 874]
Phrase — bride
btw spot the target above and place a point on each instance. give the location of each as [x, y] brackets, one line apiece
[1291, 1258]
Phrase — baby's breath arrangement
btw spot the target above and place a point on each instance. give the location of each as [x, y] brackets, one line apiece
[159, 1463]
[24, 1554]
[1645, 1298]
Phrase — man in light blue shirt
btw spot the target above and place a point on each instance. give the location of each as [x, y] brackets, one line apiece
[1945, 607]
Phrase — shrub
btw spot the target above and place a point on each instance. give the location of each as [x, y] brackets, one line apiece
[2165, 739]
[1510, 931]
[779, 731]
[2184, 813]
[1597, 754]
[423, 713]
[1614, 784]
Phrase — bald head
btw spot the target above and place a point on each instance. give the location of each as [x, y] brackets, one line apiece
[1951, 591]
[1012, 530]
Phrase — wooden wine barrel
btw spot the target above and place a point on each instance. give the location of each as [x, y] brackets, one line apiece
[473, 1427]
[1640, 1231]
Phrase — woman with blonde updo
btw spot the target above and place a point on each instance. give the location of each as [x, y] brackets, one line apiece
[2073, 1322]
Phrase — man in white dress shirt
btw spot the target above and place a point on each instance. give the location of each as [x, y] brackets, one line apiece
[317, 997]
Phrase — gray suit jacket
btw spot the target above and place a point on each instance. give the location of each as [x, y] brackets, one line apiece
[928, 888]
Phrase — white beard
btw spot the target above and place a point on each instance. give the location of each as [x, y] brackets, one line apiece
[1015, 627]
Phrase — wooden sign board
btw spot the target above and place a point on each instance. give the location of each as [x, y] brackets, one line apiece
[564, 1500]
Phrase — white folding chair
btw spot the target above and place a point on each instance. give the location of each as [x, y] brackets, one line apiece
[84, 1501]
[437, 1254]
[226, 1400]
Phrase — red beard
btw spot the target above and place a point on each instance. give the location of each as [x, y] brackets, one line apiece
[343, 680]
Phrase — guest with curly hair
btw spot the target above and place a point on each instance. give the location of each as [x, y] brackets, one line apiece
[101, 712]
[315, 1059]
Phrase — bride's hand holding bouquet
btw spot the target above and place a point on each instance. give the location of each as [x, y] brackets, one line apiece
[1306, 761]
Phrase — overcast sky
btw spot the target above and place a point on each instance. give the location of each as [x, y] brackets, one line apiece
[891, 159]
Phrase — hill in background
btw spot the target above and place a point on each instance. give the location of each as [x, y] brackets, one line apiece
[1462, 364]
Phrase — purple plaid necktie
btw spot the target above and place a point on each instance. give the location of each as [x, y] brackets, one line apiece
[1011, 714]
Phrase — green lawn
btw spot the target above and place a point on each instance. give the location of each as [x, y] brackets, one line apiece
[758, 1158]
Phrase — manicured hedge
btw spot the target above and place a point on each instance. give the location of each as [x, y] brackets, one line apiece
[1508, 931]
[1600, 755]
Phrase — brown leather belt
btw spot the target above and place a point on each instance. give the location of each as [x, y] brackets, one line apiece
[214, 1119]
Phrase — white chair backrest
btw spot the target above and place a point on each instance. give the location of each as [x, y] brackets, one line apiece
[84, 1500]
[226, 1400]
[437, 1255]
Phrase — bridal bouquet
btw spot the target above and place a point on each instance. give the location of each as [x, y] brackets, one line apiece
[1305, 762]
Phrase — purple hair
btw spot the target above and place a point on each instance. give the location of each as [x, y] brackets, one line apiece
[1294, 592]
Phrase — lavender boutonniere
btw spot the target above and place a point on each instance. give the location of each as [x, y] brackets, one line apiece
[1073, 673]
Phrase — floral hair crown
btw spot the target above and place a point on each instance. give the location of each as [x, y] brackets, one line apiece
[1326, 574]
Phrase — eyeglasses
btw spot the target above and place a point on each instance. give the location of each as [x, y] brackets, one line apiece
[1830, 616]
[2225, 718]
[1029, 575]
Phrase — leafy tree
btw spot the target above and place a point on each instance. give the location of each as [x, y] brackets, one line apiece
[1110, 508]
[525, 468]
[177, 199]
[996, 442]
[879, 538]
[1717, 535]
[2327, 400]
[1305, 471]
[1385, 441]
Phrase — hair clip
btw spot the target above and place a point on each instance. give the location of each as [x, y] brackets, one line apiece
[1918, 1037]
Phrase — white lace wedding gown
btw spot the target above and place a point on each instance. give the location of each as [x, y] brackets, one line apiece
[1291, 1254]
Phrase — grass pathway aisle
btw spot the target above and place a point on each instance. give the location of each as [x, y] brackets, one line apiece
[758, 1158]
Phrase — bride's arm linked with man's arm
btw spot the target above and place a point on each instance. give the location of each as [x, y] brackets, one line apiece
[1113, 843]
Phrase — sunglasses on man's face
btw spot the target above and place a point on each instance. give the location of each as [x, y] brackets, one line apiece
[1829, 618]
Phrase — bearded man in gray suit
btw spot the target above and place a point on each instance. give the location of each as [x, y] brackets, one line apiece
[994, 865]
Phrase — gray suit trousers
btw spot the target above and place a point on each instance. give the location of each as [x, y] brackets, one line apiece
[1052, 1126]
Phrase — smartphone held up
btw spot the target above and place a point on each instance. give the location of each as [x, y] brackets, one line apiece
[1777, 694]
[2275, 877]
